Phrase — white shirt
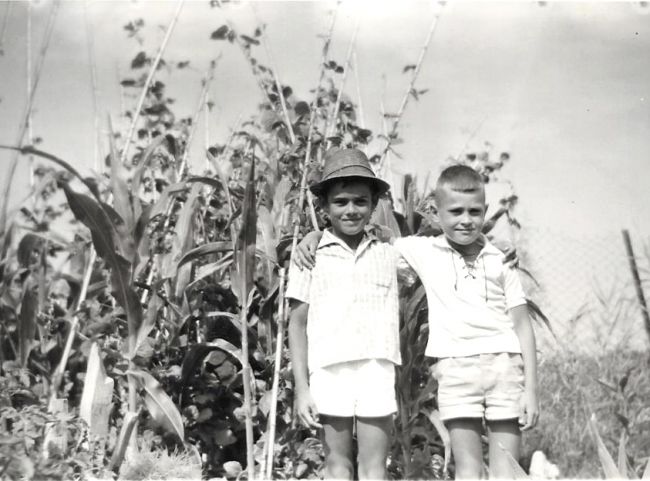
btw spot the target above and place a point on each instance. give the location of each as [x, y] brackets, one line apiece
[468, 307]
[353, 302]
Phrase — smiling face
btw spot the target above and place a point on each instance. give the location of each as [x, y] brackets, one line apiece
[349, 205]
[461, 215]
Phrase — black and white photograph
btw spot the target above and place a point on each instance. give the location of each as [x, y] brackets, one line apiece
[324, 239]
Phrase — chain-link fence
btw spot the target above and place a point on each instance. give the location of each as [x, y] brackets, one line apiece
[585, 287]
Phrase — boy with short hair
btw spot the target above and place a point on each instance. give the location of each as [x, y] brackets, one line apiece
[479, 329]
[344, 324]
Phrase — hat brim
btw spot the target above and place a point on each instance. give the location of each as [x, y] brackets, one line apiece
[381, 186]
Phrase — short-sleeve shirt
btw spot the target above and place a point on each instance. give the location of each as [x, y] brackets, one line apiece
[468, 305]
[353, 302]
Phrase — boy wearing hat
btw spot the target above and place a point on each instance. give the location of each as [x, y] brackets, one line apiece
[343, 331]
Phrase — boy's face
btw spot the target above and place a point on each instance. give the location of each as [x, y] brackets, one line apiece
[461, 214]
[349, 206]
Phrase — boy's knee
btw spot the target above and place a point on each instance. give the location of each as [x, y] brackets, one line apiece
[339, 469]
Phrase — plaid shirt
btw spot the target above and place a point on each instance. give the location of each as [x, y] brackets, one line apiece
[353, 302]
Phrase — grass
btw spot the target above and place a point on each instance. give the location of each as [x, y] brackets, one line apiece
[159, 464]
[616, 387]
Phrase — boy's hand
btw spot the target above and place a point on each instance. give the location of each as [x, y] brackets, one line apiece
[305, 255]
[511, 259]
[529, 411]
[306, 410]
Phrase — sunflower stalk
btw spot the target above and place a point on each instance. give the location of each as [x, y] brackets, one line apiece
[335, 111]
[147, 83]
[408, 93]
[197, 112]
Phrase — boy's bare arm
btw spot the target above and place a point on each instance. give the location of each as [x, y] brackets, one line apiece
[526, 335]
[304, 404]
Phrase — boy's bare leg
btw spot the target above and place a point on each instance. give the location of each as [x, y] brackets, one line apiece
[503, 435]
[337, 444]
[465, 434]
[373, 440]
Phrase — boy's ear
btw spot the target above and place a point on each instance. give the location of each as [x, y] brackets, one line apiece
[434, 213]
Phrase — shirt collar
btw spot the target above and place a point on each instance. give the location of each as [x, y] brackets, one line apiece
[488, 248]
[329, 239]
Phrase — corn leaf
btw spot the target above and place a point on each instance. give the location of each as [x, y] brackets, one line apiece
[144, 162]
[128, 423]
[89, 212]
[119, 187]
[27, 325]
[209, 269]
[491, 222]
[96, 399]
[245, 246]
[39, 153]
[160, 207]
[198, 352]
[160, 406]
[434, 417]
[204, 250]
[183, 239]
[206, 180]
[537, 314]
[606, 460]
[149, 321]
[646, 471]
[383, 215]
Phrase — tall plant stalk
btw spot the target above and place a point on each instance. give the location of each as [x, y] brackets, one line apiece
[24, 124]
[93, 82]
[197, 112]
[28, 76]
[310, 133]
[245, 254]
[346, 67]
[409, 90]
[147, 83]
[355, 70]
[279, 344]
[276, 79]
[60, 369]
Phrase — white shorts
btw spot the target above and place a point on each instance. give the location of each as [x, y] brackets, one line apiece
[485, 385]
[364, 388]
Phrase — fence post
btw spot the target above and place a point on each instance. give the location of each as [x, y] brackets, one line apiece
[637, 281]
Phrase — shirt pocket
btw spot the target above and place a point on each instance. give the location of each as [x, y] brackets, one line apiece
[375, 281]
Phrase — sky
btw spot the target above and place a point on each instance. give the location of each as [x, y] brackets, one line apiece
[564, 87]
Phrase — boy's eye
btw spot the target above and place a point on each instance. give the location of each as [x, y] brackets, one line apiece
[475, 212]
